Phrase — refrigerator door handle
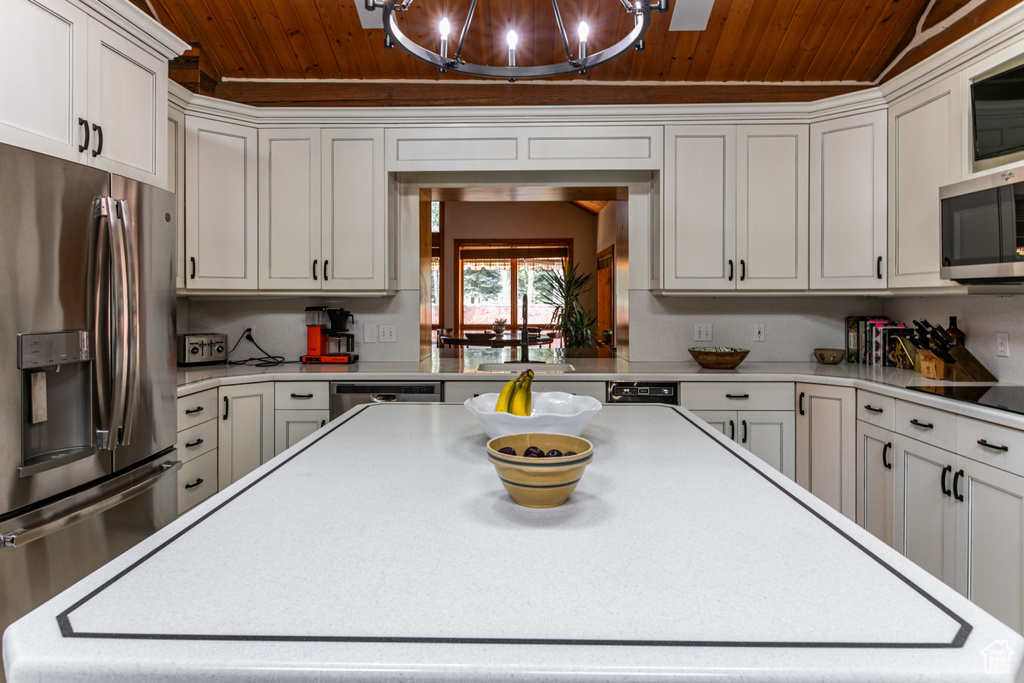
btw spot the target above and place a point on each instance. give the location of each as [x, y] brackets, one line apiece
[20, 537]
[108, 322]
[131, 320]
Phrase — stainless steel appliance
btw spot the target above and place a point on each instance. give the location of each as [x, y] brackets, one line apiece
[643, 392]
[346, 395]
[87, 414]
[983, 229]
[202, 349]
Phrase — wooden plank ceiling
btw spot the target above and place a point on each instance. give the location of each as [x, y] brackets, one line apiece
[751, 50]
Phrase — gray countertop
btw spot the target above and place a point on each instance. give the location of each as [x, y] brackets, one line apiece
[348, 557]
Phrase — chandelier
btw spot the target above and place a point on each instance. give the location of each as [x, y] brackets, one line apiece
[580, 63]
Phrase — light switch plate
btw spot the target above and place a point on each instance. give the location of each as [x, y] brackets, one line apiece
[369, 333]
[387, 333]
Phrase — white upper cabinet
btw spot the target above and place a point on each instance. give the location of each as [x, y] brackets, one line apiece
[924, 154]
[289, 214]
[847, 217]
[176, 184]
[220, 208]
[90, 94]
[771, 207]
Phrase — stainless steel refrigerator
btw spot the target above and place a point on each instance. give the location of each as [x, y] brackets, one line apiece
[87, 372]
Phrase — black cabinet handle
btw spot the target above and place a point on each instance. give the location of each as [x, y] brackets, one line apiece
[737, 395]
[945, 470]
[743, 270]
[194, 443]
[193, 411]
[872, 409]
[85, 125]
[732, 429]
[801, 403]
[323, 423]
[99, 140]
[879, 268]
[193, 260]
[302, 395]
[885, 450]
[315, 261]
[744, 423]
[194, 484]
[956, 489]
[732, 266]
[225, 408]
[986, 444]
[326, 261]
[922, 425]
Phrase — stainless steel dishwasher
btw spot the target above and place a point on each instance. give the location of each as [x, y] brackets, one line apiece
[346, 395]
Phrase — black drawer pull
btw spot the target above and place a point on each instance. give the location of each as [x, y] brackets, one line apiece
[315, 261]
[225, 407]
[743, 270]
[194, 484]
[732, 429]
[879, 271]
[744, 423]
[194, 443]
[885, 449]
[872, 409]
[193, 411]
[193, 259]
[945, 470]
[737, 395]
[800, 402]
[326, 261]
[302, 395]
[986, 444]
[922, 425]
[956, 489]
[732, 268]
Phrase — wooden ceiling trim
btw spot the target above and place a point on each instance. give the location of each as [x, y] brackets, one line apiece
[707, 43]
[771, 61]
[901, 30]
[975, 18]
[812, 41]
[942, 9]
[457, 94]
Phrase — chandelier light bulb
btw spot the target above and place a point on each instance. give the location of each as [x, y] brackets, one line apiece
[584, 31]
[445, 28]
[512, 39]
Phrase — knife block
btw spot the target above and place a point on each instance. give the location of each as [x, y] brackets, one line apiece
[965, 368]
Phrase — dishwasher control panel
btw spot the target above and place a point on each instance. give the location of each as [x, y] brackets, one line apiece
[643, 392]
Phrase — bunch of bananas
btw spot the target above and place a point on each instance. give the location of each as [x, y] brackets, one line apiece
[516, 397]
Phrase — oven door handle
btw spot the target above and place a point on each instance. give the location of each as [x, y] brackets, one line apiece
[21, 537]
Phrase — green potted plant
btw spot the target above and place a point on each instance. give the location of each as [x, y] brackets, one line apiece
[499, 325]
[563, 289]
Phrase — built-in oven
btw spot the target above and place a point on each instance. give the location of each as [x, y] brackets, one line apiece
[983, 228]
[346, 395]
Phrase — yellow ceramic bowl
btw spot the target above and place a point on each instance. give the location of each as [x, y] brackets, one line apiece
[540, 482]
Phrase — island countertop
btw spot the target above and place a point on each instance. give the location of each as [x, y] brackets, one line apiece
[385, 548]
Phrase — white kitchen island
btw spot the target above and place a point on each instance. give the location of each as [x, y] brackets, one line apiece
[385, 548]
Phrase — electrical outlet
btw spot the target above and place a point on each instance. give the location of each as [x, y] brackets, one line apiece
[1002, 344]
[759, 332]
[369, 333]
[251, 327]
[387, 333]
[702, 332]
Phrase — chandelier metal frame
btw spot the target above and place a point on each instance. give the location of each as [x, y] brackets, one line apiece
[641, 11]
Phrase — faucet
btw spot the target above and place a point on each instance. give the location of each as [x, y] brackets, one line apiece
[524, 343]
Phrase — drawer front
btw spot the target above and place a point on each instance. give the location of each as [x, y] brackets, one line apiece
[930, 425]
[301, 395]
[737, 395]
[197, 480]
[197, 408]
[876, 409]
[991, 444]
[195, 441]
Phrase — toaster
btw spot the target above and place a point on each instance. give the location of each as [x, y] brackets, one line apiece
[200, 349]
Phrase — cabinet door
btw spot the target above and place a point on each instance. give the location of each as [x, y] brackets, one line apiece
[292, 426]
[245, 437]
[699, 236]
[722, 420]
[176, 184]
[771, 206]
[771, 436]
[847, 216]
[220, 205]
[289, 195]
[876, 481]
[43, 71]
[826, 444]
[924, 154]
[128, 101]
[355, 244]
[925, 514]
[990, 540]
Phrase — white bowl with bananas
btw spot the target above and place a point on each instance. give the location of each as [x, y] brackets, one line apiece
[538, 412]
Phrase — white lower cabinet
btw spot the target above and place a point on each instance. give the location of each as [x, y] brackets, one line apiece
[876, 481]
[826, 444]
[197, 448]
[768, 434]
[301, 409]
[245, 433]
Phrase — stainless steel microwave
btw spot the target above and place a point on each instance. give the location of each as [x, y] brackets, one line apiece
[983, 229]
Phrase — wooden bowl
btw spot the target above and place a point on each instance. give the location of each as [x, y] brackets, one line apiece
[718, 357]
[829, 356]
[540, 482]
[480, 336]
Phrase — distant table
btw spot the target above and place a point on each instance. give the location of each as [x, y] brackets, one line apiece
[497, 342]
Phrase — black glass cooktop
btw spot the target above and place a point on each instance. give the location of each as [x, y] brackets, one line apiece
[1010, 397]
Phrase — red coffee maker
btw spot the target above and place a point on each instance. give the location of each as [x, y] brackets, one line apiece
[327, 337]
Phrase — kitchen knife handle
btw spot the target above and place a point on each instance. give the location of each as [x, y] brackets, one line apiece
[945, 470]
[878, 270]
[85, 126]
[801, 402]
[922, 425]
[956, 488]
[986, 444]
[872, 409]
[225, 408]
[885, 450]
